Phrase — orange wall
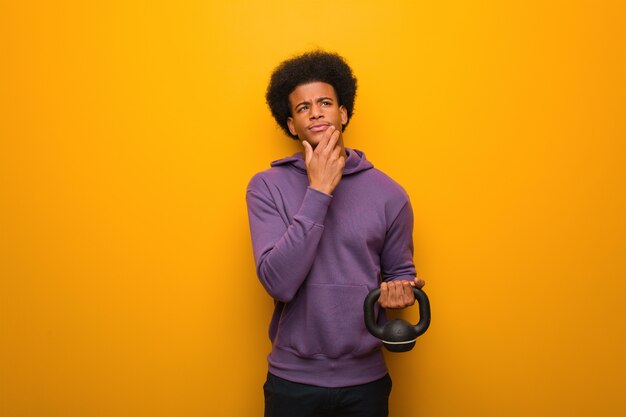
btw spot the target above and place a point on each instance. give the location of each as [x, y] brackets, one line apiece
[129, 130]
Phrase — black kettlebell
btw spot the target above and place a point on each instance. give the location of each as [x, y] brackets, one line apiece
[397, 335]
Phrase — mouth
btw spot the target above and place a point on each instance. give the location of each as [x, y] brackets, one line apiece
[319, 127]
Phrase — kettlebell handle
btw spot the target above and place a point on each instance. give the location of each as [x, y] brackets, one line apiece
[377, 331]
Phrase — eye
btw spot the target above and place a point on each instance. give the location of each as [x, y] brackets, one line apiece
[301, 108]
[326, 103]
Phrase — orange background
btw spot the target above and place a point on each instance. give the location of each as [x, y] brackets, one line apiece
[129, 130]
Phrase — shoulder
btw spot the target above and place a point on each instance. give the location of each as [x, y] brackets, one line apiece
[262, 180]
[385, 186]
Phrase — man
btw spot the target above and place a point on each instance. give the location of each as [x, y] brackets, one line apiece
[327, 227]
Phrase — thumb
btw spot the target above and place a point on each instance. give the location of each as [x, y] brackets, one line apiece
[418, 282]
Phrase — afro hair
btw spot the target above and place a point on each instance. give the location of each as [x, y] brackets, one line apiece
[309, 67]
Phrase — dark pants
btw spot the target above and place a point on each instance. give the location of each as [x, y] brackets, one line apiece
[289, 399]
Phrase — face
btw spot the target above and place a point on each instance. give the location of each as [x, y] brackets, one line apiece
[314, 108]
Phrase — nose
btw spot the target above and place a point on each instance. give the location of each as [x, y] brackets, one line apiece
[316, 112]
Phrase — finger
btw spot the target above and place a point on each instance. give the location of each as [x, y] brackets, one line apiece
[407, 292]
[336, 152]
[395, 294]
[325, 139]
[384, 294]
[308, 151]
[334, 138]
[342, 162]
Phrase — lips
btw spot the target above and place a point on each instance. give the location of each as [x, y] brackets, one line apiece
[319, 127]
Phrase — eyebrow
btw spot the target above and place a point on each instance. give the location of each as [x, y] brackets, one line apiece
[308, 102]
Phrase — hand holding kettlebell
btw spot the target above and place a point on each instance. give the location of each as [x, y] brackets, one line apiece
[397, 335]
[398, 294]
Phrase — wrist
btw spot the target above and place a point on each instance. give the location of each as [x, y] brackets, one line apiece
[322, 189]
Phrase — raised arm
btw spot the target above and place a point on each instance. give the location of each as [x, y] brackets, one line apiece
[284, 253]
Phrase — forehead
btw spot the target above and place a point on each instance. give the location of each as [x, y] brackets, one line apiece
[311, 92]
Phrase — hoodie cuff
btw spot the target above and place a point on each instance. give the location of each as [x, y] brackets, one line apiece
[315, 205]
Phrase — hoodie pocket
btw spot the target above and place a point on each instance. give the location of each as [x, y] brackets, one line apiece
[326, 320]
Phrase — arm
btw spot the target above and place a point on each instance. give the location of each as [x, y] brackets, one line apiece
[397, 267]
[284, 254]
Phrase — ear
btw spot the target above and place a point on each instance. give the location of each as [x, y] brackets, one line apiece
[344, 114]
[291, 127]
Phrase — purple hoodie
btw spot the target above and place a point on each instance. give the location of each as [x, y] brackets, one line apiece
[318, 256]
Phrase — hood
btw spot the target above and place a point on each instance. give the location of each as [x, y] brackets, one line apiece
[356, 162]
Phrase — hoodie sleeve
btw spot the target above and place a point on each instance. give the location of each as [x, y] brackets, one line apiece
[284, 253]
[396, 260]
